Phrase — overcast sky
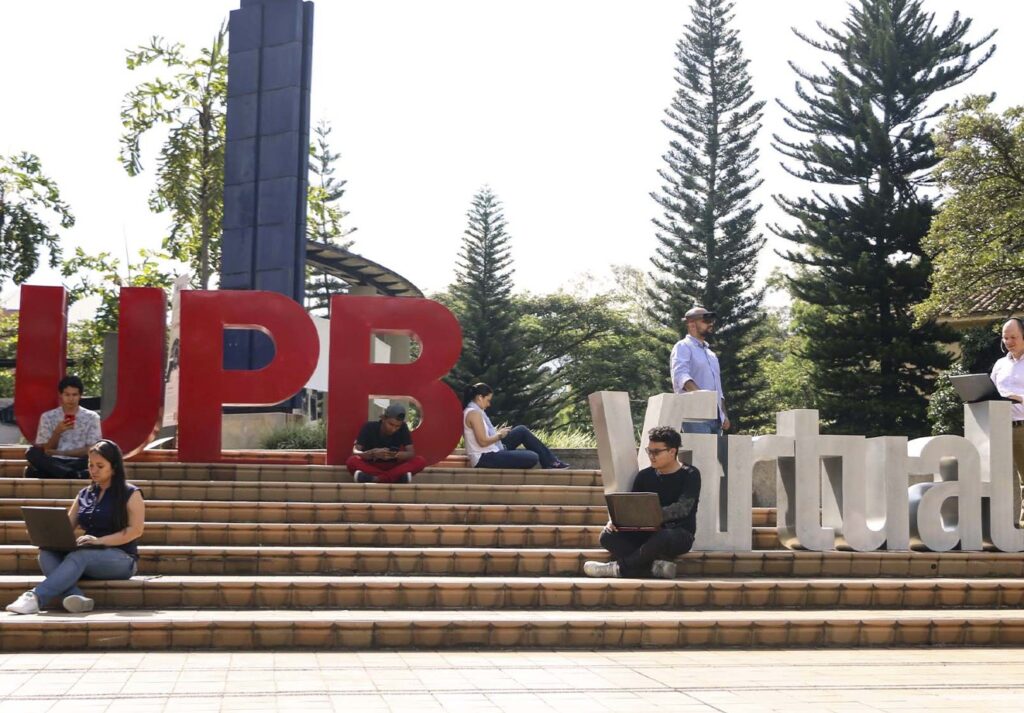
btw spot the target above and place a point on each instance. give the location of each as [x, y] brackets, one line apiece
[555, 104]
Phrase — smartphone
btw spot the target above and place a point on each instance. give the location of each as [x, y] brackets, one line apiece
[69, 418]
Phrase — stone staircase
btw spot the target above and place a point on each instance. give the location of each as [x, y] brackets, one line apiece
[258, 555]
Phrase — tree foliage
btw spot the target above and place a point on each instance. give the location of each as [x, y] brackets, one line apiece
[493, 347]
[190, 102]
[864, 128]
[707, 235]
[979, 350]
[324, 218]
[100, 277]
[26, 194]
[8, 350]
[603, 342]
[977, 240]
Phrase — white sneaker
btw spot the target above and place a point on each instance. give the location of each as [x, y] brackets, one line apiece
[27, 603]
[76, 603]
[601, 569]
[663, 569]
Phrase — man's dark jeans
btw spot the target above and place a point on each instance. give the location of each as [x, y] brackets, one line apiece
[636, 551]
[46, 466]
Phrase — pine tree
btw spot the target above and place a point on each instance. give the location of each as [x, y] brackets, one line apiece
[494, 350]
[861, 268]
[708, 241]
[324, 218]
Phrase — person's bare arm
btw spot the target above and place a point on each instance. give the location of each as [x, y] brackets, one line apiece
[476, 422]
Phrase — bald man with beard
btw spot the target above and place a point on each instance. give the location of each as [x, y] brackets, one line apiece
[1008, 376]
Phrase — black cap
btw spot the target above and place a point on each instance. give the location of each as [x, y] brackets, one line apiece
[396, 411]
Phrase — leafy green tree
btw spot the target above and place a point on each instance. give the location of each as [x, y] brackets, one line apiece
[493, 346]
[859, 262]
[591, 344]
[776, 348]
[707, 234]
[190, 102]
[25, 194]
[979, 350]
[8, 350]
[101, 276]
[324, 218]
[976, 242]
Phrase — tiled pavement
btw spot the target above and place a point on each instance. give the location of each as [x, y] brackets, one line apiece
[794, 681]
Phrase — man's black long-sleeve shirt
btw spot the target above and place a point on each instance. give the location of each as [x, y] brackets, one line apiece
[678, 493]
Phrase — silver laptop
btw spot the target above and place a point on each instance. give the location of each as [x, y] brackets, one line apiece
[976, 387]
[637, 512]
[49, 528]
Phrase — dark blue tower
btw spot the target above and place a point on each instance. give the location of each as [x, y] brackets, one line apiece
[266, 160]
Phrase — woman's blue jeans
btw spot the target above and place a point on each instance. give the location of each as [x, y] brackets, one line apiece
[64, 569]
[533, 452]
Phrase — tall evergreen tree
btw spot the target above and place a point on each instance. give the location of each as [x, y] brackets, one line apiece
[861, 269]
[708, 241]
[493, 346]
[324, 218]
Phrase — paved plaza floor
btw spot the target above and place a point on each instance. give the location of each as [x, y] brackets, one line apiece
[535, 681]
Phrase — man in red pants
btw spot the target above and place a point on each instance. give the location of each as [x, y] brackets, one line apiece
[383, 451]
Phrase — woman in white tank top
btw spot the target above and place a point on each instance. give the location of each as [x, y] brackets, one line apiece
[490, 447]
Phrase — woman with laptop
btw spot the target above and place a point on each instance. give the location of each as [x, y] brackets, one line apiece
[490, 447]
[112, 513]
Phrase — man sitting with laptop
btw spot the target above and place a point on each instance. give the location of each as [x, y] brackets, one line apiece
[644, 549]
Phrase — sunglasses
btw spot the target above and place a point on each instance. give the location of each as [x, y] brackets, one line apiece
[656, 451]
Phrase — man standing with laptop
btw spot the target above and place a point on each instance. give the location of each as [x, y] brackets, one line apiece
[646, 553]
[64, 436]
[1008, 376]
[695, 367]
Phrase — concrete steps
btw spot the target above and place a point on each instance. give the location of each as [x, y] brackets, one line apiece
[277, 473]
[155, 630]
[533, 593]
[322, 492]
[268, 555]
[536, 562]
[352, 512]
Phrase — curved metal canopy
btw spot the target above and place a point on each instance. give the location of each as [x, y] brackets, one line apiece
[357, 270]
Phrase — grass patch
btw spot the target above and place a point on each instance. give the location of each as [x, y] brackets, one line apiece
[567, 438]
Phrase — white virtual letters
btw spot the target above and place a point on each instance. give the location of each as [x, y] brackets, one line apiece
[832, 492]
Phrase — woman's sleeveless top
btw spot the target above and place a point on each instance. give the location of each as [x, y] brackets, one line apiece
[96, 515]
[473, 449]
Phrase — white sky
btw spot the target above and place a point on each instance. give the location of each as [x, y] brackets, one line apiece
[556, 104]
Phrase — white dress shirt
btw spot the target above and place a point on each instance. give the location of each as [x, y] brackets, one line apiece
[1008, 376]
[693, 360]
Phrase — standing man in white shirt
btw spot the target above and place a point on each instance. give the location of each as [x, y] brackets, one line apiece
[64, 436]
[1008, 376]
[695, 367]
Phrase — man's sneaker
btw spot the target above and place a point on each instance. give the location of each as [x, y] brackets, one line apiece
[76, 603]
[663, 569]
[404, 478]
[27, 603]
[601, 569]
[364, 477]
[559, 465]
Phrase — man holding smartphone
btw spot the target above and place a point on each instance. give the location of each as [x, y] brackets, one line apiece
[383, 451]
[64, 436]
